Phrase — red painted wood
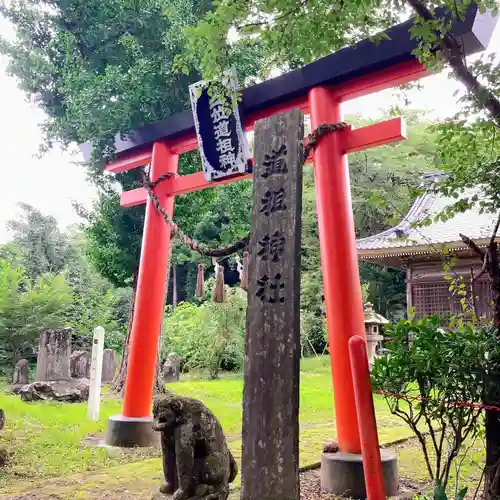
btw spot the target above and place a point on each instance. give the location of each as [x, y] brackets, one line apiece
[385, 132]
[374, 135]
[185, 144]
[398, 75]
[179, 185]
[342, 290]
[371, 136]
[149, 301]
[194, 182]
[133, 197]
[370, 449]
[340, 269]
[138, 159]
[301, 103]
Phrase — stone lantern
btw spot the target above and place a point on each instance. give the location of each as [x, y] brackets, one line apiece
[373, 321]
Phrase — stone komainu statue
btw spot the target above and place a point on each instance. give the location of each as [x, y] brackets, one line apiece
[197, 463]
[172, 367]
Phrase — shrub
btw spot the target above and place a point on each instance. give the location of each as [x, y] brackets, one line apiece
[209, 336]
[431, 369]
[26, 308]
[312, 333]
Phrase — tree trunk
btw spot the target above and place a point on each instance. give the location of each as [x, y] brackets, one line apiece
[451, 50]
[492, 471]
[174, 286]
[488, 101]
[159, 384]
[492, 424]
[118, 384]
[491, 265]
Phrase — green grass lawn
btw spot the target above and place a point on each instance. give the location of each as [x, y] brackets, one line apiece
[47, 440]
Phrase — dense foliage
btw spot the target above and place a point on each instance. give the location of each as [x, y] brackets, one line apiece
[427, 372]
[209, 337]
[46, 281]
[382, 192]
[99, 264]
[27, 307]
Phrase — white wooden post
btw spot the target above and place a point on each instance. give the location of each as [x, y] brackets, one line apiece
[96, 373]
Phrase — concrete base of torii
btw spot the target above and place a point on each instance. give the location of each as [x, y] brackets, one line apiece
[128, 432]
[342, 474]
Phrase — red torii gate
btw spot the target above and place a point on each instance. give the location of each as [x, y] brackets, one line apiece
[344, 309]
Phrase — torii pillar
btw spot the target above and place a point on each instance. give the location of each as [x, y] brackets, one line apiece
[341, 472]
[341, 282]
[133, 426]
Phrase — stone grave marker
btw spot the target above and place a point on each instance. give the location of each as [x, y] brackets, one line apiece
[80, 364]
[66, 391]
[108, 366]
[270, 455]
[21, 375]
[54, 353]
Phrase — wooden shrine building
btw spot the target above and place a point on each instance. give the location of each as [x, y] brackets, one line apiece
[418, 250]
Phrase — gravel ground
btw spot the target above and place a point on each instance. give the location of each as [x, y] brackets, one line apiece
[310, 487]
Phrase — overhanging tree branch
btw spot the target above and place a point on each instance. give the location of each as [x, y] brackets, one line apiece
[472, 245]
[288, 13]
[495, 230]
[452, 52]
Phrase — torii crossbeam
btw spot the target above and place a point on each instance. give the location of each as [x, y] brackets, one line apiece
[318, 89]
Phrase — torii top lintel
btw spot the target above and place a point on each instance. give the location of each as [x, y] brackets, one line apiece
[342, 69]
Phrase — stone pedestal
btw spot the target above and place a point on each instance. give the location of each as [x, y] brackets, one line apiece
[108, 366]
[372, 342]
[21, 375]
[130, 432]
[342, 474]
[80, 364]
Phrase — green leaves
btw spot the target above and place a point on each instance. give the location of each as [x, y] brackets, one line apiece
[430, 371]
[289, 33]
[44, 249]
[100, 69]
[208, 336]
[470, 154]
[77, 296]
[28, 306]
[113, 236]
[440, 493]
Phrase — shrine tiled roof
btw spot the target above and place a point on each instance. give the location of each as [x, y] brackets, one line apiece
[409, 234]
